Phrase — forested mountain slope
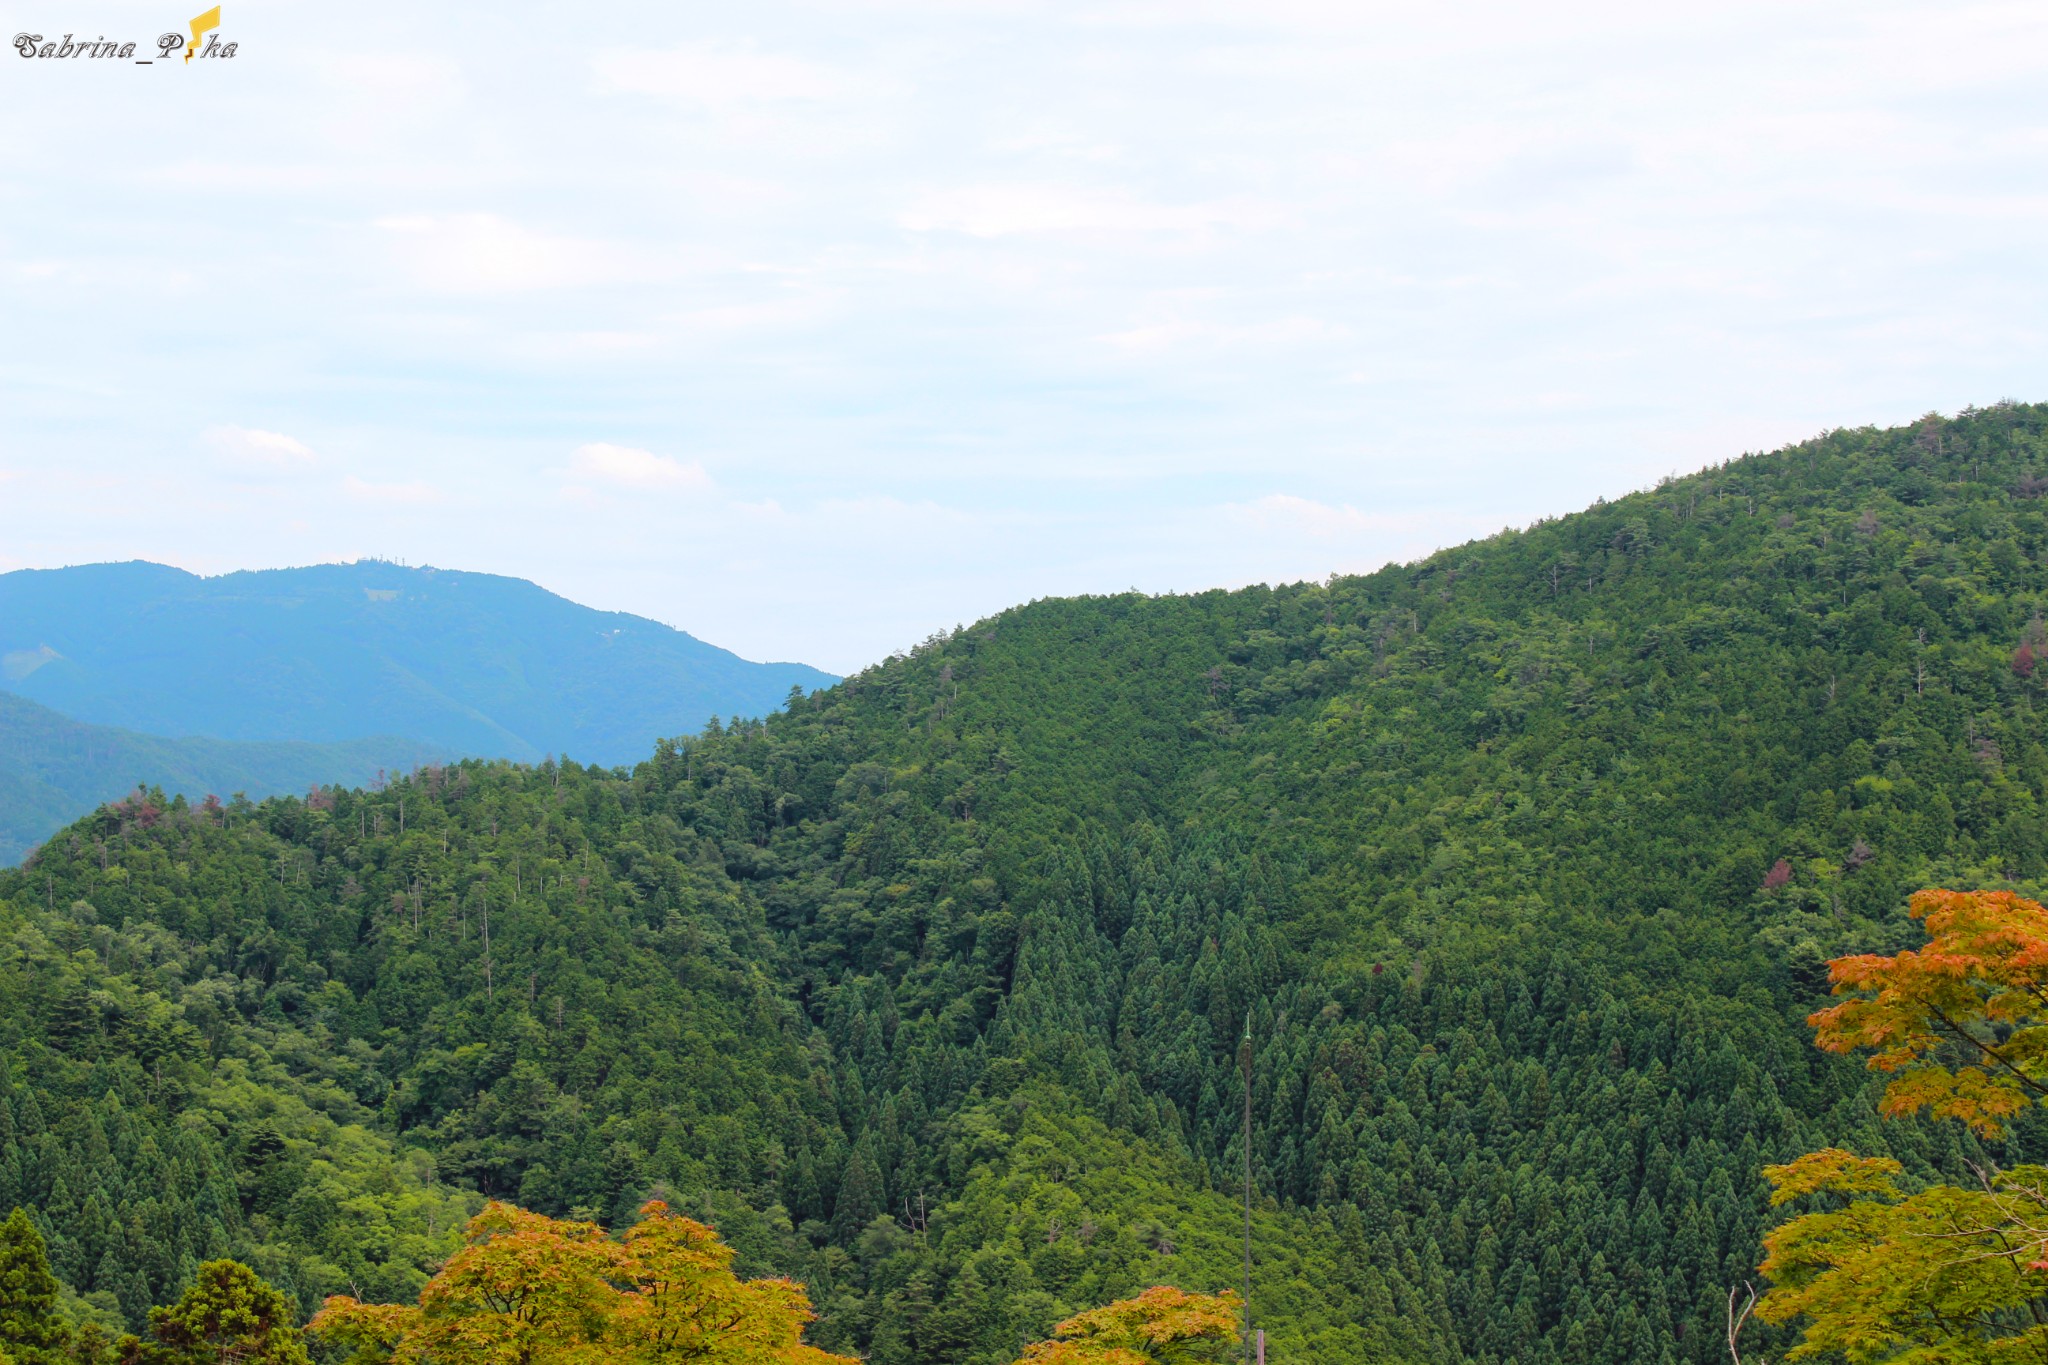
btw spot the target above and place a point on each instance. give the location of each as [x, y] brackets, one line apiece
[1522, 861]
[54, 769]
[468, 663]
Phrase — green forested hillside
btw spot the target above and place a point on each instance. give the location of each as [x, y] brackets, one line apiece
[1522, 860]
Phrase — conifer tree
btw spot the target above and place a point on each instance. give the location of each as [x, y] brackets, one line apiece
[859, 1196]
[30, 1329]
[229, 1315]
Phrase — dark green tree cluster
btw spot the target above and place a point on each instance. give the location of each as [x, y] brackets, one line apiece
[1522, 861]
[225, 1314]
[32, 1332]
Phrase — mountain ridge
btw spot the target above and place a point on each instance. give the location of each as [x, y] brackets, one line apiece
[464, 662]
[54, 769]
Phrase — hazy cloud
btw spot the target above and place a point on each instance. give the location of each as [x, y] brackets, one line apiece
[979, 303]
[627, 467]
[413, 493]
[1016, 209]
[1182, 332]
[717, 74]
[1304, 516]
[254, 451]
[482, 253]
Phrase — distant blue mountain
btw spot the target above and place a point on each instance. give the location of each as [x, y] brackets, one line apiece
[466, 663]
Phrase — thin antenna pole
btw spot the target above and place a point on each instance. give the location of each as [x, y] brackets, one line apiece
[1244, 1052]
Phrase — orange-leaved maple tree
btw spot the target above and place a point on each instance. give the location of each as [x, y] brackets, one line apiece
[1881, 1270]
[1962, 1022]
[683, 1303]
[530, 1290]
[1162, 1326]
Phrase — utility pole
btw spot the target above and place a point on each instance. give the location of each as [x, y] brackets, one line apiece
[1244, 1053]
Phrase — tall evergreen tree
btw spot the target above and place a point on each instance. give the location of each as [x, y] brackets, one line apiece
[30, 1329]
[228, 1316]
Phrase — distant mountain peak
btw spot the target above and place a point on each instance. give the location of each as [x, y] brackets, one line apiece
[473, 663]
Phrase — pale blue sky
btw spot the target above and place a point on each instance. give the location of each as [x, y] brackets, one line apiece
[813, 328]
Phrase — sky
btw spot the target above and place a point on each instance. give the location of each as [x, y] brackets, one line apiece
[815, 328]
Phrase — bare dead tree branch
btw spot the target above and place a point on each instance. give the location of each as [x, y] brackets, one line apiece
[1736, 1319]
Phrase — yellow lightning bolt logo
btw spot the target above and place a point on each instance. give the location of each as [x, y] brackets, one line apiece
[203, 24]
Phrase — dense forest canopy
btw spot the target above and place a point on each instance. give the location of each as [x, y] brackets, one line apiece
[1524, 860]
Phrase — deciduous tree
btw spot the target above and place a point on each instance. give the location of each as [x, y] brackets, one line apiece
[524, 1288]
[685, 1304]
[1162, 1326]
[531, 1290]
[1879, 1272]
[1962, 1022]
[1948, 1273]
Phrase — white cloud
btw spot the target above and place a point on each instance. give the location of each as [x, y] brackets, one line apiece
[798, 311]
[482, 253]
[1005, 210]
[1278, 332]
[250, 450]
[1286, 513]
[411, 80]
[627, 467]
[719, 75]
[409, 494]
